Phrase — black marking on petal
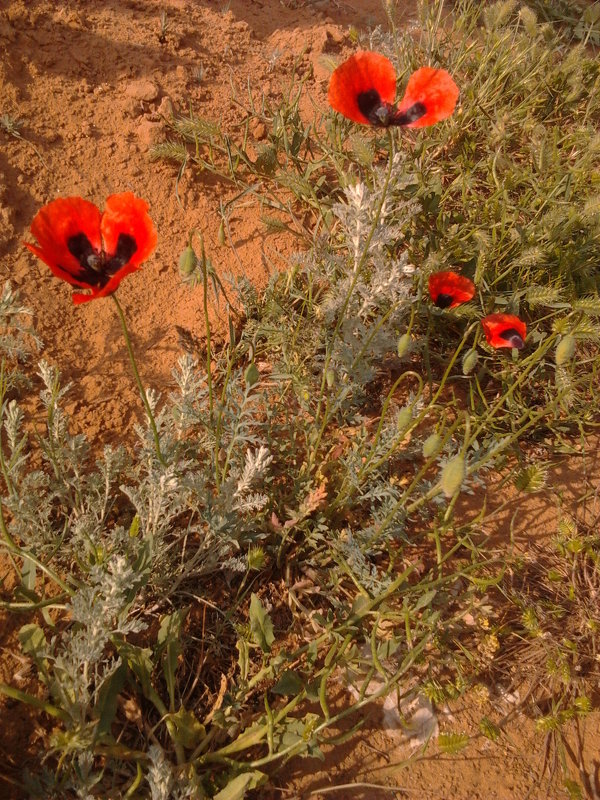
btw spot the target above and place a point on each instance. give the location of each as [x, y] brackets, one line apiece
[368, 102]
[513, 337]
[126, 247]
[412, 114]
[81, 247]
[443, 300]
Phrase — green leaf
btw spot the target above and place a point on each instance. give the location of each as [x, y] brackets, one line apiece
[189, 730]
[387, 648]
[170, 648]
[139, 660]
[266, 159]
[106, 706]
[28, 574]
[290, 683]
[134, 528]
[236, 789]
[425, 600]
[33, 641]
[360, 606]
[260, 624]
[243, 660]
[574, 789]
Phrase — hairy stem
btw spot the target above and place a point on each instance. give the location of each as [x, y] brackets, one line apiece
[138, 380]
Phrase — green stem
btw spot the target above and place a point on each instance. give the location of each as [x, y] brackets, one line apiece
[209, 379]
[138, 380]
[207, 326]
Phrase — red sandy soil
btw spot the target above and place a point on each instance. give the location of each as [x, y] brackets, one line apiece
[90, 80]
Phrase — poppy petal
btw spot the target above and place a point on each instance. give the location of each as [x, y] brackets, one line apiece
[129, 238]
[127, 216]
[448, 289]
[430, 96]
[504, 330]
[56, 226]
[362, 85]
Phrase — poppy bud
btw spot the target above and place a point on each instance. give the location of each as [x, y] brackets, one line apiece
[469, 362]
[251, 375]
[565, 350]
[404, 418]
[188, 261]
[432, 445]
[403, 345]
[453, 476]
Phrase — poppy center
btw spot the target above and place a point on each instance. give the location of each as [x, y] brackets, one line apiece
[443, 300]
[513, 337]
[96, 267]
[370, 106]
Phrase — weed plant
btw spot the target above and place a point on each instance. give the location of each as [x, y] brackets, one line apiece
[286, 517]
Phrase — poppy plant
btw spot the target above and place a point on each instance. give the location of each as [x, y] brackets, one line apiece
[363, 89]
[90, 249]
[504, 330]
[448, 290]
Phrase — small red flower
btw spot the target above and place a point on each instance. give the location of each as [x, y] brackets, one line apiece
[433, 91]
[90, 249]
[504, 330]
[448, 290]
[363, 89]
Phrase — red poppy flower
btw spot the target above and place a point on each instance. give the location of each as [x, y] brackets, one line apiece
[90, 249]
[448, 290]
[431, 90]
[363, 89]
[504, 330]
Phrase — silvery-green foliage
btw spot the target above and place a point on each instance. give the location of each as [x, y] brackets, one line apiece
[54, 509]
[17, 338]
[164, 785]
[16, 440]
[371, 289]
[356, 558]
[190, 403]
[254, 471]
[76, 661]
[240, 428]
[235, 409]
[66, 453]
[159, 775]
